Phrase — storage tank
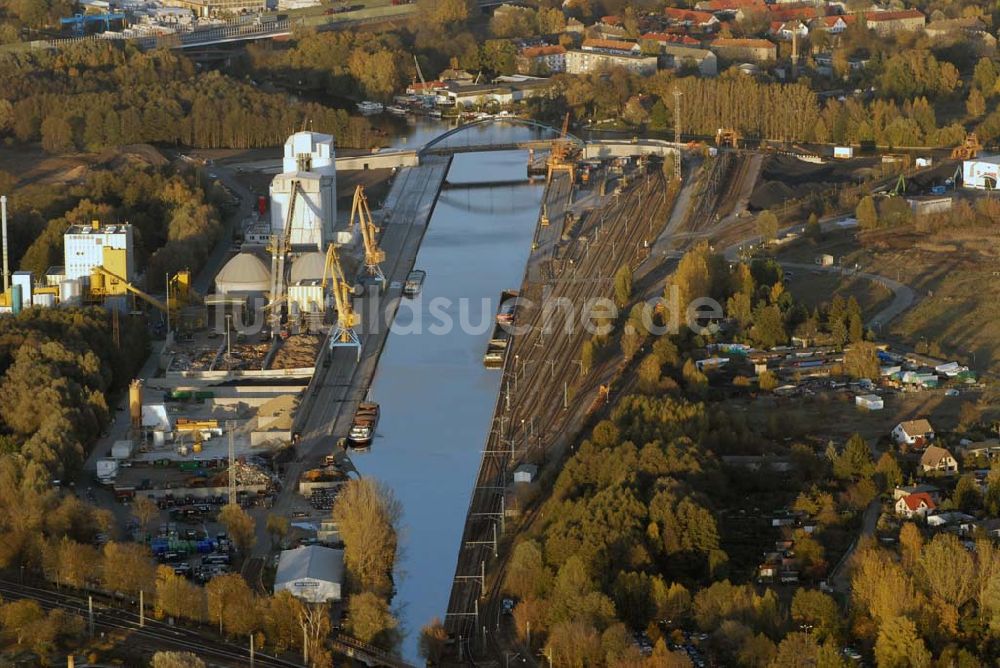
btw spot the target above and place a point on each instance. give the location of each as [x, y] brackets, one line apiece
[70, 292]
[308, 266]
[45, 300]
[245, 273]
[15, 298]
[135, 402]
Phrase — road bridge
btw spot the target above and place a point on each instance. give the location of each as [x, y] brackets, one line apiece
[444, 145]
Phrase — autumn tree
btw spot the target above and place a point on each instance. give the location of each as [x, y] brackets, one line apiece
[231, 604]
[128, 568]
[370, 620]
[177, 660]
[145, 511]
[861, 361]
[277, 527]
[433, 641]
[623, 286]
[527, 574]
[866, 213]
[899, 644]
[767, 225]
[367, 515]
[239, 525]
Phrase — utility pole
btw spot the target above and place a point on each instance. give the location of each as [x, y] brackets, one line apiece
[232, 463]
[251, 650]
[677, 132]
[90, 615]
[142, 611]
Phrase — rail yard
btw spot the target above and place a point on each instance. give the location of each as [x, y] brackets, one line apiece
[266, 417]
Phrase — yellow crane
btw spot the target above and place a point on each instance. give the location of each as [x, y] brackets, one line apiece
[563, 155]
[333, 275]
[374, 256]
[279, 246]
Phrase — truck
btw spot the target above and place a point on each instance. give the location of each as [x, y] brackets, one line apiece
[107, 470]
[414, 282]
[363, 427]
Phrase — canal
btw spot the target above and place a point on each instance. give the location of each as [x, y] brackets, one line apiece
[437, 399]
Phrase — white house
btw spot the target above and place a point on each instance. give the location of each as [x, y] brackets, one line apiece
[313, 573]
[938, 459]
[918, 504]
[913, 432]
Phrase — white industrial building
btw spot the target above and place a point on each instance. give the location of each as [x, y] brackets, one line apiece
[305, 286]
[312, 573]
[309, 161]
[84, 247]
[982, 173]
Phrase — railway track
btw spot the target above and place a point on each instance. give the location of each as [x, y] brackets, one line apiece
[154, 634]
[541, 363]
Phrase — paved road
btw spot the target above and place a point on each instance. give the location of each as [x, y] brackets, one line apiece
[839, 578]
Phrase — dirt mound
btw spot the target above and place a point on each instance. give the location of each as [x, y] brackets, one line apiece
[133, 155]
[786, 177]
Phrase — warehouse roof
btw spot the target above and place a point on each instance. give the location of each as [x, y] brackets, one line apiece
[310, 561]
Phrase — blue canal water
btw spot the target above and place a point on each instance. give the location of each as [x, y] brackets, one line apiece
[437, 398]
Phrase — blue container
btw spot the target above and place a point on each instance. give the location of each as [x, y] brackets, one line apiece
[16, 298]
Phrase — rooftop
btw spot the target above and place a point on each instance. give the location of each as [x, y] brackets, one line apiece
[609, 45]
[747, 43]
[895, 16]
[916, 427]
[311, 561]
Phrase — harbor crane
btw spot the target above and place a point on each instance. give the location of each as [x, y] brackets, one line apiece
[344, 333]
[563, 155]
[374, 256]
[279, 246]
[969, 149]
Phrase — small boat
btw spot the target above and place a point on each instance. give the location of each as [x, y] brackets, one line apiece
[414, 282]
[363, 428]
[368, 107]
[397, 110]
[499, 343]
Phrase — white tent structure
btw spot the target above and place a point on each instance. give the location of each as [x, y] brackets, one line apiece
[312, 573]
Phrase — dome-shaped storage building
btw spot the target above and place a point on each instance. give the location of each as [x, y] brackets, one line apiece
[308, 266]
[244, 274]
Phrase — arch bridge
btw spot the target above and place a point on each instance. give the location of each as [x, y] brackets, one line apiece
[441, 145]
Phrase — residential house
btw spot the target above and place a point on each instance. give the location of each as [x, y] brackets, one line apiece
[912, 505]
[665, 38]
[546, 59]
[917, 433]
[801, 12]
[677, 56]
[834, 24]
[787, 30]
[691, 18]
[888, 23]
[754, 50]
[575, 26]
[938, 459]
[905, 490]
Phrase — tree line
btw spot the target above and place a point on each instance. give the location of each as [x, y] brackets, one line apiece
[102, 94]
